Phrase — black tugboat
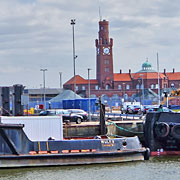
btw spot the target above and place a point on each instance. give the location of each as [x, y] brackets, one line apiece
[162, 133]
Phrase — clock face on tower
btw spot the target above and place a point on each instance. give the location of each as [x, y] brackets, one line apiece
[106, 50]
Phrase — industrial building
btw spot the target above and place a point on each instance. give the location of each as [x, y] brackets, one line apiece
[128, 86]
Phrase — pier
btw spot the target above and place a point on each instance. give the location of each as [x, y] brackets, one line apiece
[125, 126]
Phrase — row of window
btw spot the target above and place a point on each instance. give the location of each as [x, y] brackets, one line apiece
[105, 41]
[106, 62]
[96, 87]
[84, 88]
[152, 86]
[106, 87]
[127, 86]
[138, 86]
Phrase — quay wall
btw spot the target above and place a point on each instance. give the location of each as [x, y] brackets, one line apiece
[114, 128]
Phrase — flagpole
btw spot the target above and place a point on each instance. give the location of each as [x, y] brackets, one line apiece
[159, 99]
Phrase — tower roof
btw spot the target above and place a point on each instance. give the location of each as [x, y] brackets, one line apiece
[146, 67]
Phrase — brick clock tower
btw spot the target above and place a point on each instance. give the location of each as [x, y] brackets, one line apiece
[104, 73]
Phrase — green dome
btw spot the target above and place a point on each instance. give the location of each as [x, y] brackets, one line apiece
[146, 65]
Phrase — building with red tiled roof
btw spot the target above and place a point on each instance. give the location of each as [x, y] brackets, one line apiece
[120, 84]
[81, 80]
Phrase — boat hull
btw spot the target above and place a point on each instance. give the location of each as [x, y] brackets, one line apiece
[14, 161]
[16, 150]
[165, 153]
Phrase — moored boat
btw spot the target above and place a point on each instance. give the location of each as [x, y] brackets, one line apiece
[17, 150]
[162, 133]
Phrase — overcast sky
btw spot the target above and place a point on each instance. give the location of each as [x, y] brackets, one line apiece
[37, 34]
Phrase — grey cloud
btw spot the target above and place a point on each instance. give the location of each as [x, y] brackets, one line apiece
[37, 33]
[167, 8]
[128, 24]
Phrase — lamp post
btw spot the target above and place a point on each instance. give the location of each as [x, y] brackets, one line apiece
[44, 70]
[60, 79]
[74, 56]
[89, 93]
[141, 75]
[41, 94]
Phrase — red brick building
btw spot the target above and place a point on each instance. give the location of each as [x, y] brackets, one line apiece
[120, 84]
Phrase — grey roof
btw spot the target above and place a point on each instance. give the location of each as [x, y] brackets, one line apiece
[41, 91]
[148, 93]
[65, 94]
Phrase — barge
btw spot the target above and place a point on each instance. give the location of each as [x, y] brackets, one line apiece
[17, 150]
[162, 133]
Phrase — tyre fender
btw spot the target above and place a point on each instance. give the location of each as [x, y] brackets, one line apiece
[175, 131]
[162, 129]
[147, 154]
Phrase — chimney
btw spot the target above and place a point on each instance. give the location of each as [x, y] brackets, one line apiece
[120, 71]
[173, 70]
[164, 71]
[96, 42]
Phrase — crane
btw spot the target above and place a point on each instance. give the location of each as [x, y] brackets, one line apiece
[174, 94]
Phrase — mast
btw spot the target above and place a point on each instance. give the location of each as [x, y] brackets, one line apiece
[158, 80]
[100, 16]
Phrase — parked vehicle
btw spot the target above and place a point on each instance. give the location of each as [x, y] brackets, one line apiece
[67, 115]
[132, 108]
[80, 112]
[153, 109]
[166, 109]
[146, 108]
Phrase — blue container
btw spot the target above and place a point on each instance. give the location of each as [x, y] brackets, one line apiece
[68, 104]
[80, 104]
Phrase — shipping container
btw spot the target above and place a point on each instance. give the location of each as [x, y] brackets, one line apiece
[80, 104]
[38, 128]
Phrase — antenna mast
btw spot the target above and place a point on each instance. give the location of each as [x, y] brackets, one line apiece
[100, 16]
[159, 98]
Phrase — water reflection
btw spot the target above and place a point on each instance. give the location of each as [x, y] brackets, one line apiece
[155, 169]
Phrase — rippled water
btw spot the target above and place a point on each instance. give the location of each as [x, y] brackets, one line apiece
[155, 169]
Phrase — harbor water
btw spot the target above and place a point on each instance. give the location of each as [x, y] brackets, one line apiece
[166, 168]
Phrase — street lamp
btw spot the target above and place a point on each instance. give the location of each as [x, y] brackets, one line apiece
[44, 70]
[89, 93]
[74, 56]
[141, 75]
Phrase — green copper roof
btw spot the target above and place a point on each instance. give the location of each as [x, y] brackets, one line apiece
[146, 67]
